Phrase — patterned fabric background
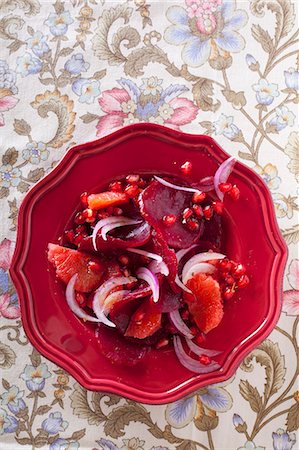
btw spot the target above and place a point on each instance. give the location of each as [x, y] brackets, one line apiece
[74, 70]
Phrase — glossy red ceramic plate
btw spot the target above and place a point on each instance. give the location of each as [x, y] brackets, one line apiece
[251, 236]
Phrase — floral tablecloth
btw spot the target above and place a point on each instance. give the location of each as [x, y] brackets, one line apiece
[74, 70]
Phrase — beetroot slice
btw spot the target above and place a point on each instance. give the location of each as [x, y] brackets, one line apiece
[158, 200]
[119, 350]
[212, 232]
[168, 301]
[169, 257]
[134, 238]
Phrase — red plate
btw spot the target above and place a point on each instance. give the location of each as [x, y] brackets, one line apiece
[251, 234]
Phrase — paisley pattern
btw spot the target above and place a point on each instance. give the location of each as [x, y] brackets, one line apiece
[74, 70]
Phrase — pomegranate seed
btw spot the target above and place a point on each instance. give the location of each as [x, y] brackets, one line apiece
[83, 199]
[229, 280]
[225, 187]
[124, 260]
[185, 314]
[238, 270]
[116, 186]
[200, 338]
[132, 190]
[141, 183]
[186, 167]
[139, 316]
[132, 179]
[77, 239]
[224, 265]
[243, 281]
[80, 229]
[228, 293]
[194, 330]
[109, 210]
[169, 219]
[204, 359]
[70, 235]
[218, 207]
[94, 266]
[193, 224]
[234, 192]
[81, 299]
[102, 215]
[87, 213]
[198, 210]
[208, 212]
[79, 218]
[117, 211]
[162, 343]
[187, 213]
[198, 197]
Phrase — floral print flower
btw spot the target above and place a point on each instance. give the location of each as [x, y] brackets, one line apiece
[291, 78]
[59, 23]
[250, 445]
[54, 423]
[291, 297]
[64, 444]
[215, 397]
[283, 118]
[8, 424]
[28, 65]
[9, 176]
[282, 440]
[13, 398]
[282, 206]
[129, 444]
[35, 152]
[225, 126]
[76, 64]
[7, 78]
[205, 28]
[38, 44]
[35, 376]
[7, 102]
[86, 89]
[151, 86]
[265, 92]
[292, 150]
[7, 356]
[269, 174]
[130, 105]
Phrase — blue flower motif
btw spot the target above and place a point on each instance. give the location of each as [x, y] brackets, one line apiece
[13, 398]
[76, 64]
[202, 30]
[9, 176]
[283, 118]
[38, 44]
[282, 440]
[265, 92]
[225, 126]
[86, 89]
[8, 424]
[59, 23]
[250, 60]
[181, 413]
[35, 152]
[291, 78]
[64, 444]
[237, 420]
[27, 65]
[35, 376]
[7, 78]
[54, 423]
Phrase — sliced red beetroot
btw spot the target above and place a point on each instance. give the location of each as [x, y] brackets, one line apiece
[169, 257]
[121, 312]
[212, 232]
[145, 321]
[119, 350]
[136, 237]
[158, 200]
[168, 301]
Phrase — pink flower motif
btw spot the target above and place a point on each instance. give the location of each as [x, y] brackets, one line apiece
[9, 307]
[6, 103]
[6, 309]
[5, 254]
[133, 104]
[291, 297]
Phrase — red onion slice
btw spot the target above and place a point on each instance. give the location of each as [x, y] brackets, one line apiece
[145, 274]
[181, 285]
[145, 253]
[198, 268]
[179, 255]
[103, 291]
[113, 298]
[201, 351]
[180, 324]
[199, 258]
[121, 223]
[101, 223]
[175, 186]
[190, 363]
[72, 303]
[159, 267]
[222, 174]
